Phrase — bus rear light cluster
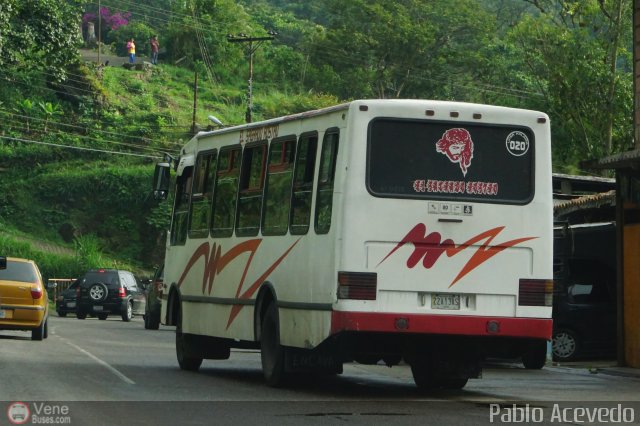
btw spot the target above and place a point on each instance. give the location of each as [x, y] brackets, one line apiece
[357, 285]
[535, 292]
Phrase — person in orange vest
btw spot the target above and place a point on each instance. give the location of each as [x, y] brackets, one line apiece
[131, 50]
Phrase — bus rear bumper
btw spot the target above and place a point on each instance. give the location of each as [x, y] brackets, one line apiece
[536, 328]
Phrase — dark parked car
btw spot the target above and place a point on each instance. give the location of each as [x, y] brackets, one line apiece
[105, 292]
[66, 300]
[584, 306]
[153, 294]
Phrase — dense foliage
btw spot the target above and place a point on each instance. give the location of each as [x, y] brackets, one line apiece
[571, 59]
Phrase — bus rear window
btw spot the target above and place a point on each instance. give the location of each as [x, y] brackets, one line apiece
[450, 161]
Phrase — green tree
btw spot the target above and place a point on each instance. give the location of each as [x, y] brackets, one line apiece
[50, 112]
[198, 33]
[26, 108]
[403, 48]
[139, 31]
[39, 34]
[574, 52]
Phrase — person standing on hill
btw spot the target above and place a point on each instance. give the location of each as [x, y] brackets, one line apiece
[154, 49]
[131, 50]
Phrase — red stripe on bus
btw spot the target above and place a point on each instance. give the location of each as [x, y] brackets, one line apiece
[440, 324]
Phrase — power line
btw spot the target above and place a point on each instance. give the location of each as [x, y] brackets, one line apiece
[78, 147]
[63, 133]
[147, 140]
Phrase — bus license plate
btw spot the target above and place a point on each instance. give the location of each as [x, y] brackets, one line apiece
[445, 301]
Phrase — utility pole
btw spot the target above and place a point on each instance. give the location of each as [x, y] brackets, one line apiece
[99, 28]
[254, 44]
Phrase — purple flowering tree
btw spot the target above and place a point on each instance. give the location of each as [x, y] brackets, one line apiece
[111, 21]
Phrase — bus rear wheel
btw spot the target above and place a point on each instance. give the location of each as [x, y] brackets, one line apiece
[184, 350]
[535, 356]
[271, 352]
[426, 377]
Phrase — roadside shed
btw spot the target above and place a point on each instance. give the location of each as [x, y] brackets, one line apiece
[627, 170]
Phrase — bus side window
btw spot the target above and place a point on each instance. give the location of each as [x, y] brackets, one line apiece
[324, 198]
[277, 199]
[202, 195]
[303, 184]
[225, 193]
[251, 186]
[181, 207]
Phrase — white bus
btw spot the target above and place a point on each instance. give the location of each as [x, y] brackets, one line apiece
[377, 231]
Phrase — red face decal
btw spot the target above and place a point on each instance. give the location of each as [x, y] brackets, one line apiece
[458, 146]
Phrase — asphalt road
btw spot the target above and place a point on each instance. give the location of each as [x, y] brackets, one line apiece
[112, 372]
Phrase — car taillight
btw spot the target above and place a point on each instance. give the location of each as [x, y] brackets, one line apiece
[121, 293]
[36, 292]
[78, 292]
[535, 292]
[357, 285]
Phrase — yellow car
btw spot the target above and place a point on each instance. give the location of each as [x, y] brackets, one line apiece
[23, 298]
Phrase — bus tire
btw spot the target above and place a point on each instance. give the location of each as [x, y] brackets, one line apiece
[535, 356]
[271, 352]
[426, 377]
[423, 375]
[184, 351]
[456, 383]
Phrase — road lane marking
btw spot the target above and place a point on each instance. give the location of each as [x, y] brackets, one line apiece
[101, 362]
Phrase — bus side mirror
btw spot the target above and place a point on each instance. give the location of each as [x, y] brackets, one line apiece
[161, 180]
[3, 262]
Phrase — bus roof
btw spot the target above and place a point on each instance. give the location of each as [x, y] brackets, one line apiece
[347, 105]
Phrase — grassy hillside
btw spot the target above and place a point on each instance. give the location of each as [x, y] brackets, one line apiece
[91, 193]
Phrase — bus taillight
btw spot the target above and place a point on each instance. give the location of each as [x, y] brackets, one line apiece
[535, 292]
[357, 285]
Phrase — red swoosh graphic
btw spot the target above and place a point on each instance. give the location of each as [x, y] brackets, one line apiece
[429, 248]
[235, 310]
[215, 263]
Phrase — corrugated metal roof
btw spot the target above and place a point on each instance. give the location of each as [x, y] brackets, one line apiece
[616, 161]
[586, 202]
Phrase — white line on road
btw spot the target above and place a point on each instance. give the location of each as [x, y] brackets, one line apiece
[99, 361]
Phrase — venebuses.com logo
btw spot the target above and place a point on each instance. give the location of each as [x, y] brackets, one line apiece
[20, 413]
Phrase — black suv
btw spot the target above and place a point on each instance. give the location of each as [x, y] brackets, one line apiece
[104, 292]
